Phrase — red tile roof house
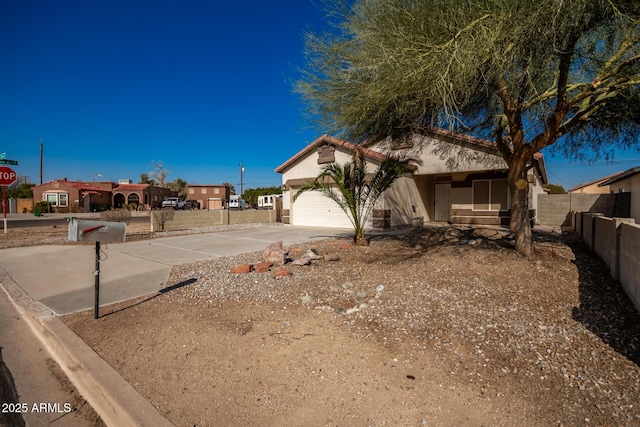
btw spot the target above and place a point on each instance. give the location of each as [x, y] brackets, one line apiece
[79, 196]
[74, 196]
[142, 196]
[457, 179]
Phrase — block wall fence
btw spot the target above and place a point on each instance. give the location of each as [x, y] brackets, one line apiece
[181, 220]
[617, 242]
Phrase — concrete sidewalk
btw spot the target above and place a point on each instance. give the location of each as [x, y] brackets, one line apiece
[114, 399]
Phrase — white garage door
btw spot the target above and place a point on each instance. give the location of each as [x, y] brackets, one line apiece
[317, 210]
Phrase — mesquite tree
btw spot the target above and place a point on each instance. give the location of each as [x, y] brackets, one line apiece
[525, 74]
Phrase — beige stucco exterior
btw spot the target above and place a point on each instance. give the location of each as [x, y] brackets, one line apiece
[630, 184]
[440, 188]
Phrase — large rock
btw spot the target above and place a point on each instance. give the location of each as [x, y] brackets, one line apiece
[275, 253]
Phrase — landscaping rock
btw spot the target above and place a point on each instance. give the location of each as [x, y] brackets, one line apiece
[490, 233]
[301, 261]
[263, 267]
[282, 272]
[241, 269]
[332, 257]
[312, 254]
[275, 253]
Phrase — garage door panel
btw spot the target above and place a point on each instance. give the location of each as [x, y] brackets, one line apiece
[317, 210]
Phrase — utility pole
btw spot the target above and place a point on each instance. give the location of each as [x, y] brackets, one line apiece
[41, 150]
[241, 174]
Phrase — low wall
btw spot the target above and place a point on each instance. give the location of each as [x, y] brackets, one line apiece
[629, 271]
[554, 209]
[167, 220]
[617, 242]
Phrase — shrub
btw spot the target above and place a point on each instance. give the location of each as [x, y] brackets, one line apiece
[161, 216]
[116, 215]
[40, 208]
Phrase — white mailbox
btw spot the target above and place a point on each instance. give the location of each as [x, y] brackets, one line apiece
[96, 231]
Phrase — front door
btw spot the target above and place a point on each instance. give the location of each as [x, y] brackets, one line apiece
[443, 202]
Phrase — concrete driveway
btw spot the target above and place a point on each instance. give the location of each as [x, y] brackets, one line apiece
[62, 277]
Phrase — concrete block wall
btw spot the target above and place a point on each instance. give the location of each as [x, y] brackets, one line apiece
[182, 220]
[605, 239]
[554, 209]
[630, 261]
[617, 242]
[587, 229]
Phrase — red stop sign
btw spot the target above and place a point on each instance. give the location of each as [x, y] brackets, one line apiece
[7, 175]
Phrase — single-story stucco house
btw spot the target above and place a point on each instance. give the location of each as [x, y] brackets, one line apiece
[456, 178]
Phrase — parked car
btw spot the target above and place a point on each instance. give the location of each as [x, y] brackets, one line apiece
[235, 202]
[173, 202]
[191, 204]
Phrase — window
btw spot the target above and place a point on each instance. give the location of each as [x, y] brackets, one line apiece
[490, 195]
[192, 191]
[216, 191]
[204, 191]
[56, 199]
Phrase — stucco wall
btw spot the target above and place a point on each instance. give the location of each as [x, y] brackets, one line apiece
[436, 156]
[404, 202]
[630, 185]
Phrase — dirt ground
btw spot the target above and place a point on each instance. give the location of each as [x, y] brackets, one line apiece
[436, 326]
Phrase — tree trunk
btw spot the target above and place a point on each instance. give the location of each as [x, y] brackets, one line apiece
[359, 239]
[520, 224]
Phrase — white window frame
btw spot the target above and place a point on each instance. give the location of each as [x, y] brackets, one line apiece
[56, 199]
[473, 197]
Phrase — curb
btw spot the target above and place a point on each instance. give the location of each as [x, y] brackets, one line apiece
[111, 396]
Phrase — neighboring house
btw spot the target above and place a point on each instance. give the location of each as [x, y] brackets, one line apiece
[457, 179]
[74, 196]
[594, 187]
[627, 182]
[210, 197]
[142, 196]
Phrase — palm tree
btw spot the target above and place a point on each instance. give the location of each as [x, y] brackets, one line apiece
[354, 190]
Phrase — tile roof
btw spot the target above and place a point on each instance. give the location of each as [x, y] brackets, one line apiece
[80, 185]
[330, 140]
[620, 176]
[595, 181]
[131, 187]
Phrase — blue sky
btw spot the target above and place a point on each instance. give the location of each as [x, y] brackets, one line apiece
[111, 86]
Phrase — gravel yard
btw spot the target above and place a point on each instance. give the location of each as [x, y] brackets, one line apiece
[436, 326]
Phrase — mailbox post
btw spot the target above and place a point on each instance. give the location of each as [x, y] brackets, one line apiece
[96, 231]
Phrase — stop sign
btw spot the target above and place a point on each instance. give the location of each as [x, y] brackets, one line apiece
[7, 175]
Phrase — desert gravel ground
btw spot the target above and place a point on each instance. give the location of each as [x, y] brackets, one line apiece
[433, 326]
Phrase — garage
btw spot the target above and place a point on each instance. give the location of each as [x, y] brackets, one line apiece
[315, 209]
